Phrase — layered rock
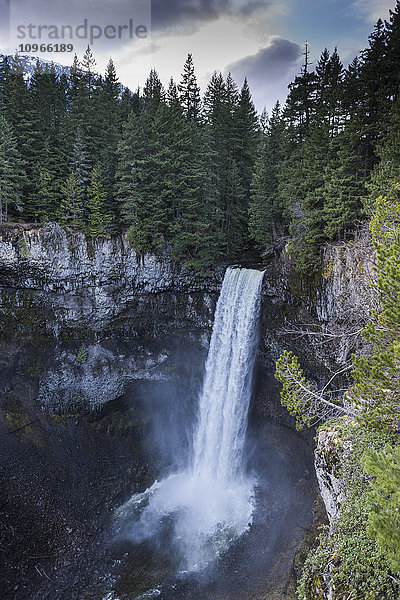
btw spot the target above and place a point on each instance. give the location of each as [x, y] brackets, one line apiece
[67, 282]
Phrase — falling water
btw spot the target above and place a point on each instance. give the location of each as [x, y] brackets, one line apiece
[210, 503]
[227, 385]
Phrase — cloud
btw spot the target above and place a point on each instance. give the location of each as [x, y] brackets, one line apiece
[185, 16]
[372, 10]
[272, 62]
[269, 71]
[4, 23]
[250, 8]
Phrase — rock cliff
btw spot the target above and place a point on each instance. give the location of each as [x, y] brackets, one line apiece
[62, 291]
[84, 284]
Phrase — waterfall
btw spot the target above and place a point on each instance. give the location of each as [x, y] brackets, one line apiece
[225, 397]
[210, 504]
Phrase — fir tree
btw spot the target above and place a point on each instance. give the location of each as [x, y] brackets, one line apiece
[71, 208]
[98, 219]
[141, 173]
[45, 194]
[4, 82]
[300, 103]
[247, 132]
[153, 92]
[12, 173]
[88, 65]
[79, 162]
[344, 190]
[384, 501]
[265, 215]
[387, 171]
[189, 92]
[376, 378]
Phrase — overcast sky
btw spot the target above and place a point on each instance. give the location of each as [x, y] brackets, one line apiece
[260, 39]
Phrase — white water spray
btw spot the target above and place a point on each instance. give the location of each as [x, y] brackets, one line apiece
[210, 503]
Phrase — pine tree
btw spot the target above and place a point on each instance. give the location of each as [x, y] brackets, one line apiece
[194, 240]
[172, 97]
[129, 102]
[300, 396]
[344, 190]
[247, 132]
[108, 101]
[4, 83]
[304, 186]
[84, 94]
[141, 189]
[45, 195]
[153, 92]
[372, 93]
[189, 92]
[76, 95]
[12, 173]
[384, 501]
[392, 53]
[18, 105]
[79, 163]
[88, 66]
[108, 109]
[295, 169]
[220, 107]
[387, 171]
[71, 208]
[265, 215]
[300, 103]
[98, 219]
[376, 378]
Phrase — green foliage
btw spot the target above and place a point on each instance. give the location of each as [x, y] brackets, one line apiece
[376, 377]
[189, 92]
[203, 177]
[71, 208]
[265, 217]
[79, 161]
[12, 174]
[98, 220]
[299, 396]
[82, 355]
[349, 556]
[384, 500]
[297, 392]
[142, 175]
[138, 239]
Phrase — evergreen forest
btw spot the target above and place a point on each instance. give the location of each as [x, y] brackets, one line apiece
[204, 177]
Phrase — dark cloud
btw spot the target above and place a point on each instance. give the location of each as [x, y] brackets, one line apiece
[249, 8]
[189, 14]
[269, 71]
[271, 62]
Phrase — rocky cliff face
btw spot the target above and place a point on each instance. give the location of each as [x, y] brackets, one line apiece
[63, 292]
[84, 284]
[329, 455]
[319, 321]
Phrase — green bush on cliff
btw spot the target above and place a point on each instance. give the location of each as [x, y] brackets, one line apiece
[349, 557]
[384, 500]
[361, 554]
[376, 388]
[82, 355]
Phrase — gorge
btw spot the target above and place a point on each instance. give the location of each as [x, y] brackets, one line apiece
[82, 436]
